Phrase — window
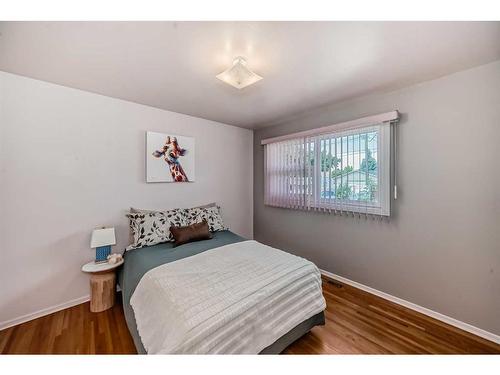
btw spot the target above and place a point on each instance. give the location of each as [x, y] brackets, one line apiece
[340, 171]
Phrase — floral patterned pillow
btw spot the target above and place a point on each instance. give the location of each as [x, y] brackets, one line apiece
[210, 214]
[151, 228]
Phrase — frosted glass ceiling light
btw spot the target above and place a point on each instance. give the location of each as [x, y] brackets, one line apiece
[238, 75]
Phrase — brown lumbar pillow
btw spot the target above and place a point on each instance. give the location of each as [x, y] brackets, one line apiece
[190, 233]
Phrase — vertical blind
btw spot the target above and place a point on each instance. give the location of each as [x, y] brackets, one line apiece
[345, 171]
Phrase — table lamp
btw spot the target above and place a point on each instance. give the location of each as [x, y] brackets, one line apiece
[102, 239]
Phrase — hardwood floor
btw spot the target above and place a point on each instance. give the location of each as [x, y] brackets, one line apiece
[75, 330]
[356, 322]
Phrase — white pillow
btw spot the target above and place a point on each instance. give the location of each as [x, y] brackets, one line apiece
[151, 228]
[140, 210]
[210, 214]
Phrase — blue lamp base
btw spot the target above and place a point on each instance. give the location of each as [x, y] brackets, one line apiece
[101, 254]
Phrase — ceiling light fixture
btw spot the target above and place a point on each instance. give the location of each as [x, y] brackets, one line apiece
[238, 75]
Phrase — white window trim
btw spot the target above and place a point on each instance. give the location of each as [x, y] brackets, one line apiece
[346, 125]
[382, 123]
[383, 206]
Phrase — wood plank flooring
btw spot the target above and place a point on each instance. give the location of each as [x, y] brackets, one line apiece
[75, 330]
[357, 322]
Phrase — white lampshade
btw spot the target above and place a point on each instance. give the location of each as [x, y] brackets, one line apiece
[103, 237]
[238, 75]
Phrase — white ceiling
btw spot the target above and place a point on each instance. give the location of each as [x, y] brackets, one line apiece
[172, 65]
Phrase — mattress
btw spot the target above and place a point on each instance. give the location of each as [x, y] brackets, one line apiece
[138, 262]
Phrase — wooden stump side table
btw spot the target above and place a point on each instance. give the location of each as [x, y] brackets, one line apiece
[102, 284]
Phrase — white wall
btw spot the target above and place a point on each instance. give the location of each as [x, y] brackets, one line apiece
[72, 160]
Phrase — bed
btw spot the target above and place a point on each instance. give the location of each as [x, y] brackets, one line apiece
[144, 269]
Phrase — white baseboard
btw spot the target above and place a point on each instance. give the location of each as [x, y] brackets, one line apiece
[433, 314]
[37, 314]
[423, 310]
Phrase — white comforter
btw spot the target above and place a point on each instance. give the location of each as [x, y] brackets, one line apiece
[238, 298]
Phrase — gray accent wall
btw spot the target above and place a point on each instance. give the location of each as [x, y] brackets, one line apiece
[441, 247]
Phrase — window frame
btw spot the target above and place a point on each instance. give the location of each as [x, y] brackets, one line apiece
[382, 207]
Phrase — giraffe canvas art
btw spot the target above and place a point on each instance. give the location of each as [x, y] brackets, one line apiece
[169, 158]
